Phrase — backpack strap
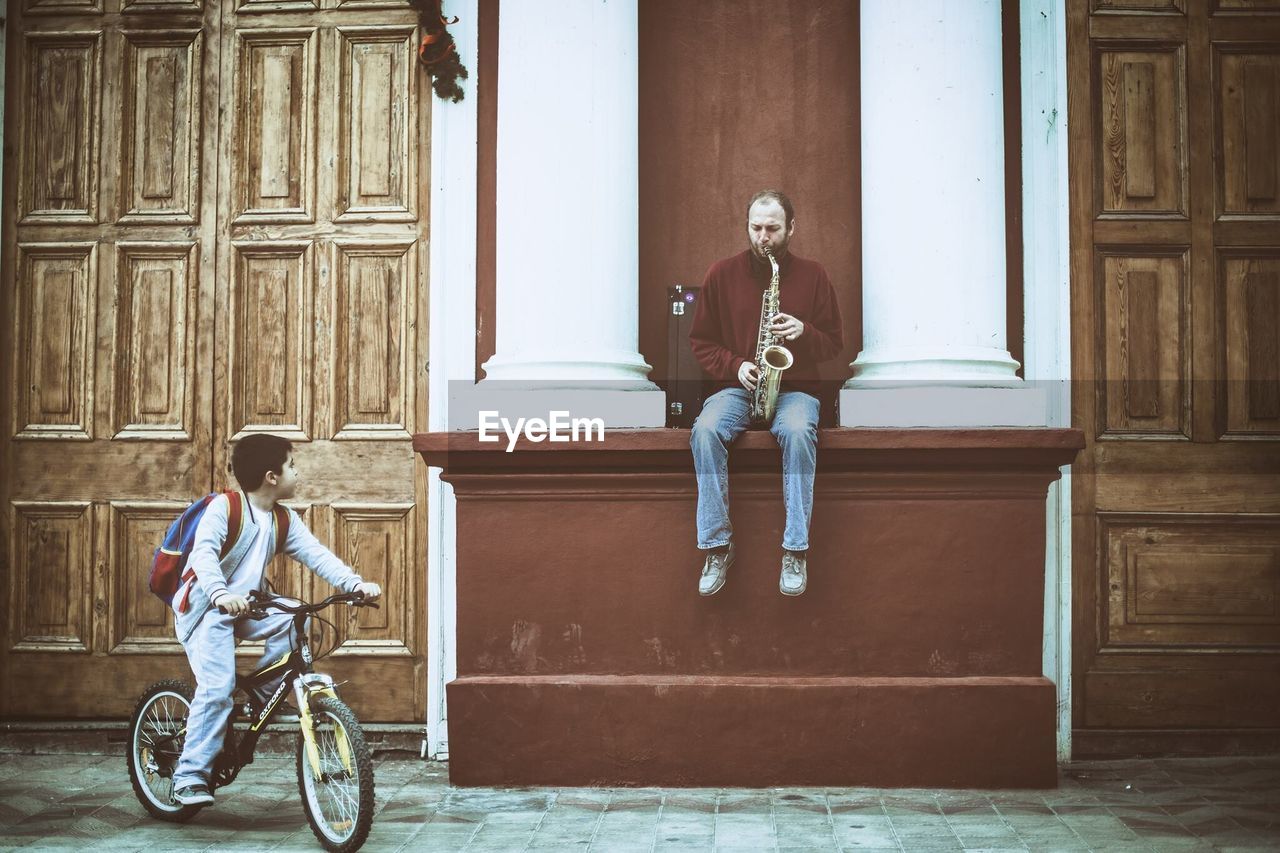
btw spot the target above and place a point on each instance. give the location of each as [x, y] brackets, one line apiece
[235, 521]
[282, 527]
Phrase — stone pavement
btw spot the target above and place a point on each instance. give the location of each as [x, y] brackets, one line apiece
[84, 802]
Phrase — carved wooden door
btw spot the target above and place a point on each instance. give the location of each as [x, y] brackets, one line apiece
[1176, 315]
[214, 223]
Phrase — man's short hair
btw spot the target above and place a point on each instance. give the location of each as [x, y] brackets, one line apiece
[255, 455]
[773, 195]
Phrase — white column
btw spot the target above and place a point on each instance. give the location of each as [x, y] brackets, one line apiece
[933, 219]
[1045, 226]
[568, 213]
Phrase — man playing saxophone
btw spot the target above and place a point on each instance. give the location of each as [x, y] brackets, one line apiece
[736, 321]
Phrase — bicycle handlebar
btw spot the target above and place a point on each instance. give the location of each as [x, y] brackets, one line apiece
[259, 602]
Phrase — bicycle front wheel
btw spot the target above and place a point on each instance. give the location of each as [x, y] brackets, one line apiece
[157, 731]
[337, 793]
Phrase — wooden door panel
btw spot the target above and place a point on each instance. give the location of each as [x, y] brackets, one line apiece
[57, 295]
[271, 338]
[373, 340]
[377, 176]
[1145, 322]
[377, 540]
[140, 623]
[142, 6]
[1249, 93]
[155, 366]
[275, 108]
[50, 592]
[161, 127]
[1228, 6]
[1173, 700]
[34, 8]
[1142, 110]
[322, 225]
[1164, 7]
[1195, 583]
[60, 92]
[252, 7]
[1176, 315]
[1251, 291]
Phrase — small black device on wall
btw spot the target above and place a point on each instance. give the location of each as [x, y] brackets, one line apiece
[685, 380]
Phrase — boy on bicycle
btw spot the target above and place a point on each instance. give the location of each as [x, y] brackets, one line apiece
[264, 468]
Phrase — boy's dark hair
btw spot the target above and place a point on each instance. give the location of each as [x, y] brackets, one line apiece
[255, 455]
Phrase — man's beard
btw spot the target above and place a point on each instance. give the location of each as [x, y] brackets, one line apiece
[778, 248]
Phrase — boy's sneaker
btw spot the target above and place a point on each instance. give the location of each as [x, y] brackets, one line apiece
[193, 795]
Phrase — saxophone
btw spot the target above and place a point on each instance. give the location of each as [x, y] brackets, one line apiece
[771, 357]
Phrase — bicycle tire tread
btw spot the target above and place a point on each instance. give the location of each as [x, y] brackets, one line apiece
[364, 772]
[187, 692]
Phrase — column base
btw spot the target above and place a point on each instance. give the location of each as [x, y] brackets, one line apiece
[618, 403]
[946, 363]
[925, 405]
[550, 369]
[726, 731]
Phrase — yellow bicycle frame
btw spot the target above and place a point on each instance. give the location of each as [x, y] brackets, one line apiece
[306, 690]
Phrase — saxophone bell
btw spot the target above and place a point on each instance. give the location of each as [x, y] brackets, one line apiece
[778, 357]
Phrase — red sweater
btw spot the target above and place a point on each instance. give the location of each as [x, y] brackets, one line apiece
[727, 321]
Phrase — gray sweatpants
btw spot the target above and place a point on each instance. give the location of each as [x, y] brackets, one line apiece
[211, 651]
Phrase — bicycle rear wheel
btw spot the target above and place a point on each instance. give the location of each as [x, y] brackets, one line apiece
[157, 731]
[339, 799]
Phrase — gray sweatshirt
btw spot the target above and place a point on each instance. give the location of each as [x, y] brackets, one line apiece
[212, 574]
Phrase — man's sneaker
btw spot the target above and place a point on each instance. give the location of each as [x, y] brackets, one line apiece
[193, 795]
[795, 575]
[715, 570]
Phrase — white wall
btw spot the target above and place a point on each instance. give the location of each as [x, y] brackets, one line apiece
[452, 345]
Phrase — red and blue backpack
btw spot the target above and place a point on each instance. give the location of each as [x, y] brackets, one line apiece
[169, 570]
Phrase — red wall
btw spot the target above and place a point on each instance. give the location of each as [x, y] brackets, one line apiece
[737, 96]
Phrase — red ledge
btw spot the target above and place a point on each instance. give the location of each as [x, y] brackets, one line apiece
[706, 681]
[668, 449]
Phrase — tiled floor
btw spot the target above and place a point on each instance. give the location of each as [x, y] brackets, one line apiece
[85, 802]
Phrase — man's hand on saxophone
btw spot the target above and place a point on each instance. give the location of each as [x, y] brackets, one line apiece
[749, 375]
[786, 327]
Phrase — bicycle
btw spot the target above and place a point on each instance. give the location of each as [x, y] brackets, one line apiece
[334, 766]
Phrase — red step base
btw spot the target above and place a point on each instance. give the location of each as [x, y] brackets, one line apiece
[705, 731]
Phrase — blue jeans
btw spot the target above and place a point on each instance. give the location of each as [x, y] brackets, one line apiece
[795, 425]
